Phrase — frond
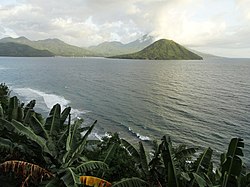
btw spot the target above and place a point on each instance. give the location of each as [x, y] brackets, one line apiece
[185, 153]
[168, 161]
[90, 166]
[130, 182]
[6, 145]
[94, 181]
[79, 148]
[52, 124]
[26, 170]
[19, 128]
[64, 115]
[70, 178]
[232, 165]
[38, 128]
[143, 158]
[131, 150]
[202, 164]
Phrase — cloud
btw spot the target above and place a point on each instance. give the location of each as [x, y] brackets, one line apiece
[194, 23]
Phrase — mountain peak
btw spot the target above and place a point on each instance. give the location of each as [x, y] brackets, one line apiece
[145, 38]
[22, 38]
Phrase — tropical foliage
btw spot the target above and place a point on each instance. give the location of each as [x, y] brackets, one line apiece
[57, 151]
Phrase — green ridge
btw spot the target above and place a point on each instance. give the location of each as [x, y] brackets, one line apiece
[20, 50]
[55, 46]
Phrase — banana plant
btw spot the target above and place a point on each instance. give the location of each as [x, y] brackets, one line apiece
[232, 165]
[57, 144]
[202, 166]
[168, 159]
[147, 169]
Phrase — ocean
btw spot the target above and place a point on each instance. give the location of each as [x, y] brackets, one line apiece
[202, 103]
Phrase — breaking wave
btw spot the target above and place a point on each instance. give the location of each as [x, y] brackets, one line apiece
[46, 101]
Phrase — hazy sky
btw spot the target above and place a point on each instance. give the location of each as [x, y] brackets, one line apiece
[220, 27]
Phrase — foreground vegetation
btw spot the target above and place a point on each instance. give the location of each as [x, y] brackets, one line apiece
[56, 151]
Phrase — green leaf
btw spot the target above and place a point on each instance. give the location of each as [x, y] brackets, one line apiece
[19, 128]
[1, 111]
[110, 154]
[168, 160]
[80, 147]
[70, 178]
[90, 166]
[131, 150]
[143, 159]
[20, 113]
[200, 181]
[203, 163]
[13, 108]
[185, 176]
[71, 138]
[185, 153]
[38, 128]
[63, 138]
[130, 182]
[6, 145]
[28, 115]
[64, 115]
[55, 182]
[232, 166]
[52, 123]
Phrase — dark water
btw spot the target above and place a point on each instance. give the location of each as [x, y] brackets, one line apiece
[202, 103]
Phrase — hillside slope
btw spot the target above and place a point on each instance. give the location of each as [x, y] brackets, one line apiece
[20, 50]
[118, 48]
[56, 46]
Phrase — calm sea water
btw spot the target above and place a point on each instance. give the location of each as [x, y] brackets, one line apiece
[203, 103]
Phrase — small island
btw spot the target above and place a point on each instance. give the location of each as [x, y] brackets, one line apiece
[162, 50]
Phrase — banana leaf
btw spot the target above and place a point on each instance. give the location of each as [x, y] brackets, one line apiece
[232, 166]
[168, 160]
[38, 128]
[1, 111]
[71, 156]
[19, 128]
[130, 182]
[143, 159]
[70, 179]
[64, 115]
[202, 164]
[94, 181]
[90, 166]
[6, 145]
[131, 150]
[71, 142]
[52, 124]
[13, 108]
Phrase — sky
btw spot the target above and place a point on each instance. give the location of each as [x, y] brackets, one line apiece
[219, 27]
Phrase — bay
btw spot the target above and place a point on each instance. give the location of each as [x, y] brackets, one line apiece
[203, 103]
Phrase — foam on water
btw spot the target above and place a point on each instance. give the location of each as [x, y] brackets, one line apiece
[141, 137]
[46, 101]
